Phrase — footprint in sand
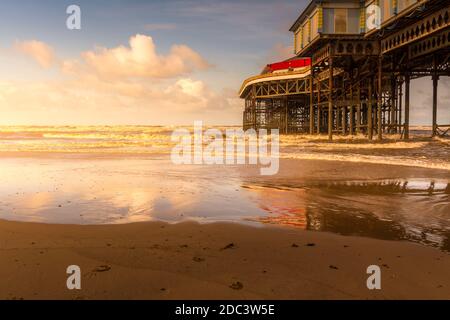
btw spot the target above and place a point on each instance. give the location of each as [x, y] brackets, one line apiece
[237, 285]
[228, 246]
[333, 267]
[104, 268]
[198, 259]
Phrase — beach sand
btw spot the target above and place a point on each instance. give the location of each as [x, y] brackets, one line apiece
[216, 261]
[130, 221]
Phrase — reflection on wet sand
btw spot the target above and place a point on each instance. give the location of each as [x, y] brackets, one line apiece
[119, 191]
[414, 210]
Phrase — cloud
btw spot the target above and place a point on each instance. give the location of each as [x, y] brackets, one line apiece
[42, 53]
[123, 85]
[139, 60]
[160, 26]
[93, 101]
[187, 91]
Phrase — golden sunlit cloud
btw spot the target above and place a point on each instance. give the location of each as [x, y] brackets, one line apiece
[42, 53]
[123, 85]
[140, 59]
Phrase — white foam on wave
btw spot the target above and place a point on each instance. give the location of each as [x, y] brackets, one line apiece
[348, 142]
[396, 161]
[442, 139]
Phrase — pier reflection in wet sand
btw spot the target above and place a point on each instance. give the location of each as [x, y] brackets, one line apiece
[414, 210]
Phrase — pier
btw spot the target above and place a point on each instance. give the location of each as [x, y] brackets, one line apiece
[352, 69]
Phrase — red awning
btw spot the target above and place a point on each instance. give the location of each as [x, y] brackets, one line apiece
[291, 64]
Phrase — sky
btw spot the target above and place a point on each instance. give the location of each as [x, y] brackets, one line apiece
[147, 62]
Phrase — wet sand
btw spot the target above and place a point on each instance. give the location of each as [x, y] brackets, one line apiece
[79, 210]
[216, 261]
[360, 199]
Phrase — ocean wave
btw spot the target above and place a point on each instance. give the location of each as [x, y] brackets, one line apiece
[422, 152]
[387, 160]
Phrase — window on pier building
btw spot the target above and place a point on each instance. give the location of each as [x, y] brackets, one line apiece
[341, 20]
[305, 35]
[314, 26]
[353, 16]
[387, 9]
[298, 41]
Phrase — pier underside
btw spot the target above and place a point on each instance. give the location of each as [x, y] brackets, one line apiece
[358, 85]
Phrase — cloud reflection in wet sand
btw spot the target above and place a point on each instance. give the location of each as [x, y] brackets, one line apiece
[80, 191]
